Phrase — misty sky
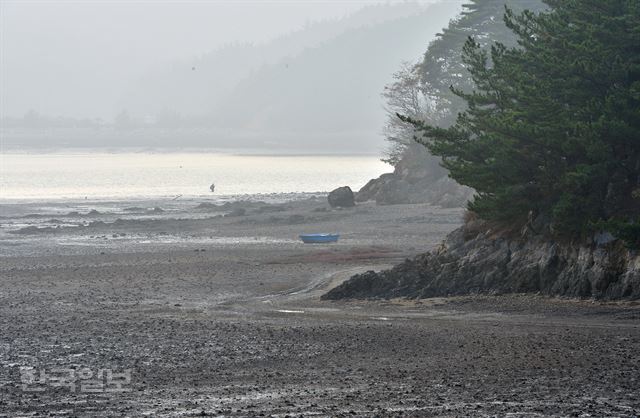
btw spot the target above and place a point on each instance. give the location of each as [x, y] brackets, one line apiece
[55, 54]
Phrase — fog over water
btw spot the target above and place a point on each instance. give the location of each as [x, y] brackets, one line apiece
[73, 58]
[277, 76]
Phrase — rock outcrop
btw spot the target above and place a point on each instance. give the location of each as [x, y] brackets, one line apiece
[417, 178]
[342, 197]
[478, 260]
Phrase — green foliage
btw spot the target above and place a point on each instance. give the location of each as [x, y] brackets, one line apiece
[422, 92]
[552, 125]
[443, 66]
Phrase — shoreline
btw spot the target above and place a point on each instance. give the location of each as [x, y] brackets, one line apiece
[155, 201]
[211, 321]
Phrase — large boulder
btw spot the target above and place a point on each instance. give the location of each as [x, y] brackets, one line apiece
[342, 197]
[417, 178]
[388, 189]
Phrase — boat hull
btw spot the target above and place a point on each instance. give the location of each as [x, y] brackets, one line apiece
[319, 238]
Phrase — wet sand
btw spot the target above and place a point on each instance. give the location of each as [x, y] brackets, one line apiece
[221, 316]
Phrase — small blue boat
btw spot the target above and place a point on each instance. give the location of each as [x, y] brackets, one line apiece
[319, 238]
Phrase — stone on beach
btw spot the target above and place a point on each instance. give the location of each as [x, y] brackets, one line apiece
[342, 197]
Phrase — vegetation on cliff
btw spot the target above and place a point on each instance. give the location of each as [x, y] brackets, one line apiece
[551, 133]
[421, 91]
[550, 141]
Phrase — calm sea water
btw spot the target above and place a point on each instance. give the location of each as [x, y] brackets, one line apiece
[100, 175]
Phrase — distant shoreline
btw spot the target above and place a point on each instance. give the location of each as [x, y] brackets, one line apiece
[199, 139]
[238, 152]
[269, 198]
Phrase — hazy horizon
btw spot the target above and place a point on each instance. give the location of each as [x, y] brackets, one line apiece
[77, 59]
[301, 77]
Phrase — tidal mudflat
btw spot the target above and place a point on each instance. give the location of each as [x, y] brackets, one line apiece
[200, 314]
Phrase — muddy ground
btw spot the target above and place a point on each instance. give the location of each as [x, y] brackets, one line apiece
[221, 316]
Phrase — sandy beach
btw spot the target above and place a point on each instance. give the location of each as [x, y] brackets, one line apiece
[215, 311]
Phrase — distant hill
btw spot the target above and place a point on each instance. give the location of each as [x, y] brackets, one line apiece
[316, 90]
[335, 86]
[322, 83]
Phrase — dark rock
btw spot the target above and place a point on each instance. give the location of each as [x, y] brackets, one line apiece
[35, 215]
[393, 192]
[295, 219]
[342, 197]
[417, 178]
[270, 209]
[374, 187]
[32, 230]
[480, 260]
[237, 212]
[207, 206]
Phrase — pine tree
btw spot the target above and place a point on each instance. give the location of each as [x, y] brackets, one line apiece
[552, 126]
[421, 91]
[442, 65]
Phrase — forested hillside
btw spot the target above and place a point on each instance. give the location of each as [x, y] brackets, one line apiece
[196, 86]
[550, 141]
[315, 90]
[321, 84]
[551, 133]
[422, 91]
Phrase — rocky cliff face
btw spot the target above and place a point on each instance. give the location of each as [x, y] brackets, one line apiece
[479, 260]
[417, 178]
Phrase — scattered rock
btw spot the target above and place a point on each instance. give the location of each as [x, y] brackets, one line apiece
[342, 197]
[237, 212]
[270, 209]
[30, 230]
[34, 215]
[295, 219]
[207, 206]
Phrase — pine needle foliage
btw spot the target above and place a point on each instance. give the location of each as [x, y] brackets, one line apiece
[552, 125]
